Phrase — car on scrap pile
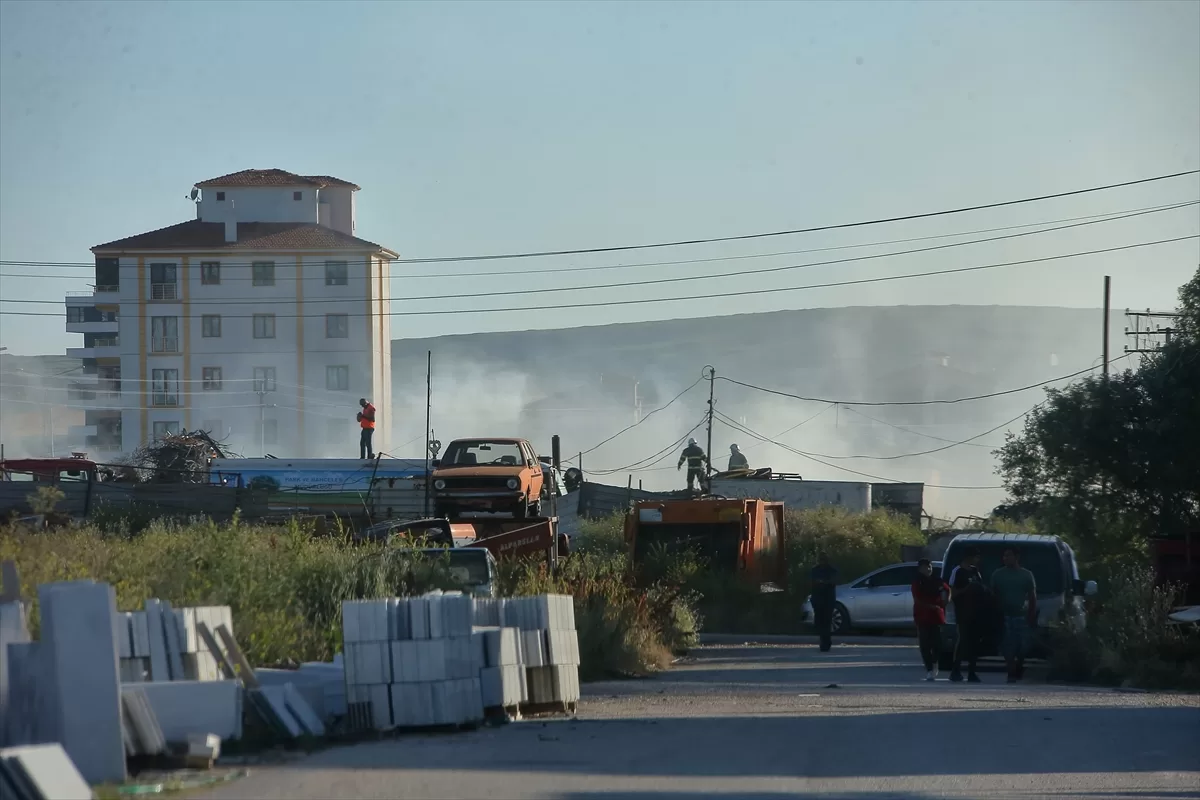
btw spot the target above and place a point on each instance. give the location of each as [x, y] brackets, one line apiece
[494, 475]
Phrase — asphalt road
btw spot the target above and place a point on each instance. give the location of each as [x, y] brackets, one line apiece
[763, 721]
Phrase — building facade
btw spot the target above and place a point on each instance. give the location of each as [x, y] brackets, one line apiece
[262, 321]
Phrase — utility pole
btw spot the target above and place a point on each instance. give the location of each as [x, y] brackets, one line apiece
[428, 407]
[1107, 305]
[712, 383]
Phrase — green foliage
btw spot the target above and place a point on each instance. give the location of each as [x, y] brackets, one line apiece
[45, 499]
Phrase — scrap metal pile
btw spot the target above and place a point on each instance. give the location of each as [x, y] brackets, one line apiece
[175, 458]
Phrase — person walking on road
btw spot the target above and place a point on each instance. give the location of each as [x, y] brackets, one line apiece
[366, 421]
[929, 593]
[737, 459]
[824, 598]
[970, 600]
[694, 455]
[1016, 592]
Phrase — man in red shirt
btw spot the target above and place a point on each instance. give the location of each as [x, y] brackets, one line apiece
[366, 420]
[929, 612]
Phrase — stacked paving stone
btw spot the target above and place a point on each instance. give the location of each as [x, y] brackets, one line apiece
[445, 658]
[162, 643]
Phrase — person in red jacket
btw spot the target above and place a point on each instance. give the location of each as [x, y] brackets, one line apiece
[929, 612]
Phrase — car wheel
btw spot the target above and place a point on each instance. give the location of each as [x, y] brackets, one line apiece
[840, 622]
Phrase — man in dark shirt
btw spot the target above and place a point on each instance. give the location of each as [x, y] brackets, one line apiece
[824, 598]
[694, 455]
[969, 596]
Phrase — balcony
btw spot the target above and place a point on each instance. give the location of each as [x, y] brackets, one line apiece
[102, 348]
[97, 294]
[78, 433]
[103, 443]
[94, 326]
[169, 400]
[169, 344]
[164, 291]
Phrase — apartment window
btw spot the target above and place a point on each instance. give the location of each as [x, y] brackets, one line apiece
[164, 387]
[214, 427]
[165, 429]
[164, 334]
[337, 326]
[210, 326]
[268, 431]
[264, 326]
[220, 197]
[337, 378]
[110, 380]
[74, 314]
[264, 379]
[336, 273]
[163, 284]
[212, 378]
[210, 273]
[264, 273]
[297, 195]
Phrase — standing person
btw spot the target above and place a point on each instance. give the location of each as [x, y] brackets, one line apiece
[737, 459]
[1016, 592]
[929, 612]
[970, 597]
[366, 420]
[694, 455]
[824, 598]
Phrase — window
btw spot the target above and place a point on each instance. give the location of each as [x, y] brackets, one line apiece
[264, 326]
[210, 326]
[164, 429]
[264, 273]
[264, 379]
[74, 314]
[268, 431]
[162, 282]
[210, 273]
[896, 576]
[220, 197]
[337, 326]
[337, 378]
[164, 334]
[212, 378]
[335, 273]
[164, 387]
[214, 427]
[297, 195]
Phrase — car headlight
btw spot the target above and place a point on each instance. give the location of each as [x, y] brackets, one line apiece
[513, 483]
[439, 485]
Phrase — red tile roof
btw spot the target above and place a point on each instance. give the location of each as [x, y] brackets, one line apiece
[271, 177]
[278, 236]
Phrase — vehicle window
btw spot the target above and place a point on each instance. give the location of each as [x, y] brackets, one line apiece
[1043, 560]
[896, 576]
[496, 454]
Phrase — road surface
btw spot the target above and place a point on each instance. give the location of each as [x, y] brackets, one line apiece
[763, 722]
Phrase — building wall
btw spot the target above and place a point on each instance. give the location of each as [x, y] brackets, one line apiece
[265, 204]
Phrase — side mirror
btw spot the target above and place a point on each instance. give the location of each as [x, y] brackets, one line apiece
[871, 583]
[1091, 589]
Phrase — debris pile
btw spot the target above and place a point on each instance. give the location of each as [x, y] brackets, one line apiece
[175, 458]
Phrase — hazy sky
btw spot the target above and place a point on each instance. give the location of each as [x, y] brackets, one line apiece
[494, 127]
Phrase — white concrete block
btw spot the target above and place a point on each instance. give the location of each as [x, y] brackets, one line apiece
[276, 698]
[303, 712]
[171, 634]
[398, 624]
[562, 647]
[143, 727]
[78, 630]
[501, 647]
[406, 666]
[185, 707]
[418, 617]
[443, 714]
[124, 635]
[381, 706]
[434, 609]
[48, 770]
[500, 686]
[533, 647]
[486, 612]
[412, 704]
[460, 660]
[351, 630]
[203, 749]
[457, 614]
[140, 633]
[13, 630]
[368, 663]
[159, 667]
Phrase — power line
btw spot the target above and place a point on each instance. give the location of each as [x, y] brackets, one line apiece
[553, 270]
[794, 427]
[686, 298]
[915, 433]
[647, 463]
[639, 422]
[914, 402]
[653, 281]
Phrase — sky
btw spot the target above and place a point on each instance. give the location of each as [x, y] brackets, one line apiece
[510, 127]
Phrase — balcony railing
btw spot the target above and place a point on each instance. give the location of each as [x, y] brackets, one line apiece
[106, 287]
[164, 291]
[165, 345]
[166, 400]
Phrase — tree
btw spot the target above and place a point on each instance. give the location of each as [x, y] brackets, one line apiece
[1125, 450]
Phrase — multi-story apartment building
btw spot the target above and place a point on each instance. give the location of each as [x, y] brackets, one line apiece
[262, 320]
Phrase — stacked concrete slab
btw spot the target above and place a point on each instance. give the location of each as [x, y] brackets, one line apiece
[415, 661]
[162, 644]
[549, 647]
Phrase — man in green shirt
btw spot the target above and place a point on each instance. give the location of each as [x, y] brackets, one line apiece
[1016, 591]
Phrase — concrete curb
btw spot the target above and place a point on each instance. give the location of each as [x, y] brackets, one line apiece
[768, 638]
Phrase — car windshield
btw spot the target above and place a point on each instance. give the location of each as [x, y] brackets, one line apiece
[468, 565]
[483, 453]
[1042, 560]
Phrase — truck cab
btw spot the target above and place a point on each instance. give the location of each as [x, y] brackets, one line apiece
[489, 475]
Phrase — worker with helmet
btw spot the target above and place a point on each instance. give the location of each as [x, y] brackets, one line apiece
[694, 455]
[736, 459]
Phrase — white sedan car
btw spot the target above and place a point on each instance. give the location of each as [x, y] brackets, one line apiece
[879, 599]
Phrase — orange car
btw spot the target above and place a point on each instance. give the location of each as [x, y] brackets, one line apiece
[495, 475]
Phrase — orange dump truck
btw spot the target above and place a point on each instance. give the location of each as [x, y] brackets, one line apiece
[732, 535]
